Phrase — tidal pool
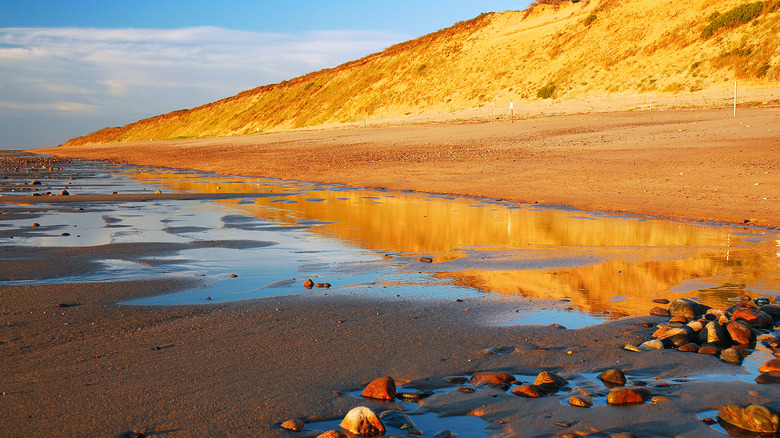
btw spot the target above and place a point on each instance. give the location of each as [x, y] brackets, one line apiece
[272, 235]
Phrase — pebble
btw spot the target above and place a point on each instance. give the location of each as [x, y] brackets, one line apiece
[332, 434]
[294, 424]
[382, 388]
[659, 311]
[660, 301]
[581, 401]
[709, 349]
[768, 377]
[323, 285]
[630, 347]
[487, 377]
[308, 284]
[426, 259]
[628, 395]
[653, 344]
[36, 224]
[613, 377]
[690, 347]
[396, 418]
[550, 381]
[362, 421]
[530, 391]
[456, 380]
[444, 434]
[731, 355]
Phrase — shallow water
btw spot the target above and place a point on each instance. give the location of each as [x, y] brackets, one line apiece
[594, 266]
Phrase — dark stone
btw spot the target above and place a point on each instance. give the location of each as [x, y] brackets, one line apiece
[550, 381]
[691, 347]
[769, 377]
[731, 355]
[754, 418]
[613, 377]
[659, 311]
[488, 377]
[753, 315]
[687, 308]
[530, 391]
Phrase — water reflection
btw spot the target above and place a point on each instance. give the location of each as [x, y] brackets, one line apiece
[600, 263]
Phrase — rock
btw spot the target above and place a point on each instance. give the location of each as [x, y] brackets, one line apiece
[613, 377]
[628, 395]
[426, 259]
[653, 344]
[772, 310]
[753, 316]
[690, 347]
[581, 401]
[332, 434]
[308, 284]
[714, 333]
[487, 377]
[530, 391]
[456, 380]
[659, 311]
[295, 425]
[630, 347]
[679, 318]
[64, 193]
[413, 395]
[696, 326]
[382, 388]
[740, 332]
[768, 377]
[754, 418]
[772, 365]
[466, 389]
[362, 421]
[397, 419]
[718, 315]
[444, 434]
[676, 334]
[772, 342]
[558, 326]
[550, 381]
[687, 308]
[323, 285]
[660, 301]
[731, 355]
[709, 349]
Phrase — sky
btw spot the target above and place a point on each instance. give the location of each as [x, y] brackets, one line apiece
[68, 68]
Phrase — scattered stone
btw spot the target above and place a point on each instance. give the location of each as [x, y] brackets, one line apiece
[158, 192]
[65, 234]
[382, 388]
[714, 333]
[362, 421]
[413, 395]
[456, 380]
[754, 418]
[630, 347]
[397, 419]
[466, 389]
[740, 332]
[772, 365]
[753, 316]
[530, 391]
[659, 311]
[413, 431]
[426, 259]
[558, 326]
[36, 224]
[709, 349]
[308, 284]
[660, 301]
[64, 193]
[581, 401]
[323, 285]
[444, 434]
[653, 344]
[687, 308]
[679, 318]
[487, 377]
[768, 377]
[233, 276]
[628, 395]
[295, 425]
[613, 377]
[550, 381]
[731, 355]
[659, 399]
[690, 347]
[332, 434]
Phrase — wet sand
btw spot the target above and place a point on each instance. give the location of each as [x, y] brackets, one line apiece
[96, 368]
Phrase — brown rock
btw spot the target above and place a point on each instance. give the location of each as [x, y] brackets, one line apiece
[679, 318]
[363, 421]
[550, 381]
[660, 301]
[382, 388]
[308, 284]
[530, 391]
[753, 316]
[772, 310]
[690, 347]
[754, 418]
[613, 377]
[772, 365]
[740, 332]
[581, 401]
[659, 311]
[426, 259]
[731, 355]
[687, 308]
[491, 377]
[628, 395]
[768, 377]
[295, 425]
[709, 349]
[332, 434]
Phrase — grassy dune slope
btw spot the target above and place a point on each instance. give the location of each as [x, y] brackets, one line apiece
[567, 51]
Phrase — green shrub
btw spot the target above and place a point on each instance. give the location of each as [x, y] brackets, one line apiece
[547, 91]
[740, 15]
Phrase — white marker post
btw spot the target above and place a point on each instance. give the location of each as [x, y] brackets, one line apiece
[512, 111]
[735, 98]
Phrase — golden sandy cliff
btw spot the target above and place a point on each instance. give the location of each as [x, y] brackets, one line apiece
[569, 52]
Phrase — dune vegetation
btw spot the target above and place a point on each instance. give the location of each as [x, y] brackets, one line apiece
[555, 49]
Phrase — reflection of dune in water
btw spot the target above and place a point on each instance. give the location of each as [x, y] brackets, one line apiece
[638, 258]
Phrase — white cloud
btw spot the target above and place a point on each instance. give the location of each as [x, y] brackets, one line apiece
[129, 74]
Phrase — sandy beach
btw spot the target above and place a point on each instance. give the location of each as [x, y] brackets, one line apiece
[76, 363]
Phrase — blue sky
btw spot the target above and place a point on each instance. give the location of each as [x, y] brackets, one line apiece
[70, 68]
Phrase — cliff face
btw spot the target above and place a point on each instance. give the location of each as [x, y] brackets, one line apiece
[564, 51]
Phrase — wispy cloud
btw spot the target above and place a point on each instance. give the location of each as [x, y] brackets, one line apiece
[119, 75]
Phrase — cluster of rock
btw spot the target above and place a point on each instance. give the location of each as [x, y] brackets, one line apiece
[694, 327]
